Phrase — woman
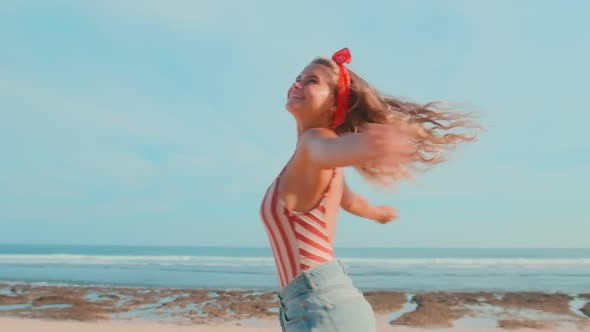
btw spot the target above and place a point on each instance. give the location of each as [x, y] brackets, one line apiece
[341, 121]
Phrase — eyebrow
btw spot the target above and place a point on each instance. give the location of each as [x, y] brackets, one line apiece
[309, 76]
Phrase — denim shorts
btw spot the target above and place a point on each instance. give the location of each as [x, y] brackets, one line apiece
[324, 299]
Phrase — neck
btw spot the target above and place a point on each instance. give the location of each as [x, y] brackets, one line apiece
[302, 126]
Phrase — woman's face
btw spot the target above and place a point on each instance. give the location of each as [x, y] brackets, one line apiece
[312, 93]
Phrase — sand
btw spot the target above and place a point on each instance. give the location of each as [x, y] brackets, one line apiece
[26, 307]
[31, 325]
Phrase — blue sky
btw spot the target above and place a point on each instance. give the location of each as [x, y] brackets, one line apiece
[163, 122]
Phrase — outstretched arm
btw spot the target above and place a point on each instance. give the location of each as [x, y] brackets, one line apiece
[358, 205]
[376, 144]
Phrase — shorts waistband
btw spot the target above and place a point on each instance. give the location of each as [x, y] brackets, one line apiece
[332, 272]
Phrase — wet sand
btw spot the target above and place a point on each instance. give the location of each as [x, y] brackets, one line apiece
[159, 309]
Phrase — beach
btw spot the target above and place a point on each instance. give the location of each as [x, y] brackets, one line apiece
[172, 166]
[28, 307]
[219, 289]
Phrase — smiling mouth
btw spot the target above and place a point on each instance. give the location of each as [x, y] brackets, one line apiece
[296, 97]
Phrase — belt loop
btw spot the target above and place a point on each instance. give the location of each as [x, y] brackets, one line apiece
[343, 267]
[281, 304]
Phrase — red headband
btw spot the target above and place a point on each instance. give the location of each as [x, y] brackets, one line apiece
[341, 57]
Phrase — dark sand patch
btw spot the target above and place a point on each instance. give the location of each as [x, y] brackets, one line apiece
[555, 303]
[438, 309]
[520, 324]
[16, 299]
[385, 301]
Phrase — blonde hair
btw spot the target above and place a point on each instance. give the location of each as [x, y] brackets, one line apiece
[430, 124]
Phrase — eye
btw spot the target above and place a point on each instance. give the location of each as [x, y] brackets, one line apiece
[312, 80]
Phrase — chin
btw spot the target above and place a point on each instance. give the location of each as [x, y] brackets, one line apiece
[291, 107]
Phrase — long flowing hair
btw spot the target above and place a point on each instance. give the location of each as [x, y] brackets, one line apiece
[436, 127]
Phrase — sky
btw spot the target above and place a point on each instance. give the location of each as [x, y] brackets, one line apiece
[163, 122]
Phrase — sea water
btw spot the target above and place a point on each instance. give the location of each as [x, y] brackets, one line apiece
[403, 269]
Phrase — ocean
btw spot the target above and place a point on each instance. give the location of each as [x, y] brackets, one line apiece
[403, 269]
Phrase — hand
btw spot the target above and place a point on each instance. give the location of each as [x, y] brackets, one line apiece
[385, 214]
[388, 144]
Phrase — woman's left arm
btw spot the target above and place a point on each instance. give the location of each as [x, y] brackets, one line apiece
[358, 205]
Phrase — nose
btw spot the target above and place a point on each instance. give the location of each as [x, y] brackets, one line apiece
[294, 86]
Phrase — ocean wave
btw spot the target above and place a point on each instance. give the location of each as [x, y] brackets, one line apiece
[228, 261]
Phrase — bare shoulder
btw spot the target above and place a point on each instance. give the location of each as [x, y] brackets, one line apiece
[312, 137]
[308, 139]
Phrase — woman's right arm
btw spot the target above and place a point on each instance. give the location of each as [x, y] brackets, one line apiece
[376, 144]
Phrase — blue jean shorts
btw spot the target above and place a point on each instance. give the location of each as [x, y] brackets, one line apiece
[324, 299]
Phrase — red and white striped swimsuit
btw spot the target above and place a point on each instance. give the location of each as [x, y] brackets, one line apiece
[299, 240]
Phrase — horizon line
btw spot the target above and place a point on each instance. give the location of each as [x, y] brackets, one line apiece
[265, 246]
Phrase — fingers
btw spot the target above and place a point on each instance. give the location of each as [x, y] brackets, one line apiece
[386, 214]
[399, 129]
[387, 132]
[389, 140]
[401, 126]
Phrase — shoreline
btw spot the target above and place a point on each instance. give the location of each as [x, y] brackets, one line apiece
[27, 304]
